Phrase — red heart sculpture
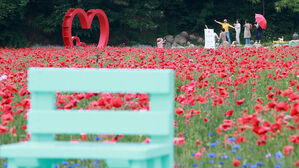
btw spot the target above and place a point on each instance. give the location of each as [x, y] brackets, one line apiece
[86, 20]
[78, 42]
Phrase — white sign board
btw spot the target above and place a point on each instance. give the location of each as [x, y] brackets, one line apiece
[210, 39]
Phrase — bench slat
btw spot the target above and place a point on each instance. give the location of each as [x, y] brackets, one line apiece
[98, 80]
[100, 122]
[86, 150]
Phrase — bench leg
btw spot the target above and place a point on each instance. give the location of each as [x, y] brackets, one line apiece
[139, 164]
[31, 163]
[166, 162]
[22, 163]
[116, 163]
[47, 163]
[156, 162]
[11, 163]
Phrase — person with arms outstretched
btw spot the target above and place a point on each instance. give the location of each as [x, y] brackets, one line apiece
[225, 25]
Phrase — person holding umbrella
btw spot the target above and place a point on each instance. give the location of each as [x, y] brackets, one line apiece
[225, 25]
[261, 24]
[258, 33]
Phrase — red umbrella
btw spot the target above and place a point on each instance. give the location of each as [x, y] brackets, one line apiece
[261, 20]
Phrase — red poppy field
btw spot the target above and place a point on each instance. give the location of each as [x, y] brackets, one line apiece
[236, 107]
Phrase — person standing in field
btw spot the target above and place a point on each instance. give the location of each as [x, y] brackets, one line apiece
[216, 37]
[238, 30]
[225, 25]
[160, 42]
[247, 34]
[222, 36]
[258, 33]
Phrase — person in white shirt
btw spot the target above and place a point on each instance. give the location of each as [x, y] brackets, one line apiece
[237, 26]
[160, 42]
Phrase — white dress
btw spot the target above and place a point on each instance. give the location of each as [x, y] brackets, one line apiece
[238, 31]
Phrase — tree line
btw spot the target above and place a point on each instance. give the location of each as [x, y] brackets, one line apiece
[27, 22]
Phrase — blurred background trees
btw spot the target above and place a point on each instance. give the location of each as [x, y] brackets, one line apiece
[27, 22]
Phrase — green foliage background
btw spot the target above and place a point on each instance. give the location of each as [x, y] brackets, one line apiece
[27, 22]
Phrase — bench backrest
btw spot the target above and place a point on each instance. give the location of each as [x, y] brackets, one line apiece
[44, 120]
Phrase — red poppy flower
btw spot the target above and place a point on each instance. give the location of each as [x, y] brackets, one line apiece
[23, 91]
[294, 139]
[241, 101]
[13, 131]
[117, 102]
[270, 95]
[19, 111]
[261, 142]
[259, 100]
[2, 129]
[287, 92]
[271, 105]
[227, 124]
[288, 150]
[293, 97]
[275, 127]
[74, 140]
[179, 111]
[295, 109]
[6, 101]
[102, 102]
[24, 127]
[229, 113]
[240, 139]
[83, 137]
[282, 106]
[201, 99]
[293, 82]
[236, 163]
[198, 155]
[278, 92]
[179, 141]
[258, 108]
[198, 142]
[80, 96]
[12, 88]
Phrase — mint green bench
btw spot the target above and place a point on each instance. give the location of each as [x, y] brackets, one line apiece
[44, 120]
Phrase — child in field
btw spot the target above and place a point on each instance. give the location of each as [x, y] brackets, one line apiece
[160, 42]
[225, 25]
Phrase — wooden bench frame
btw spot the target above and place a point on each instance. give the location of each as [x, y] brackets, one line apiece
[44, 120]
